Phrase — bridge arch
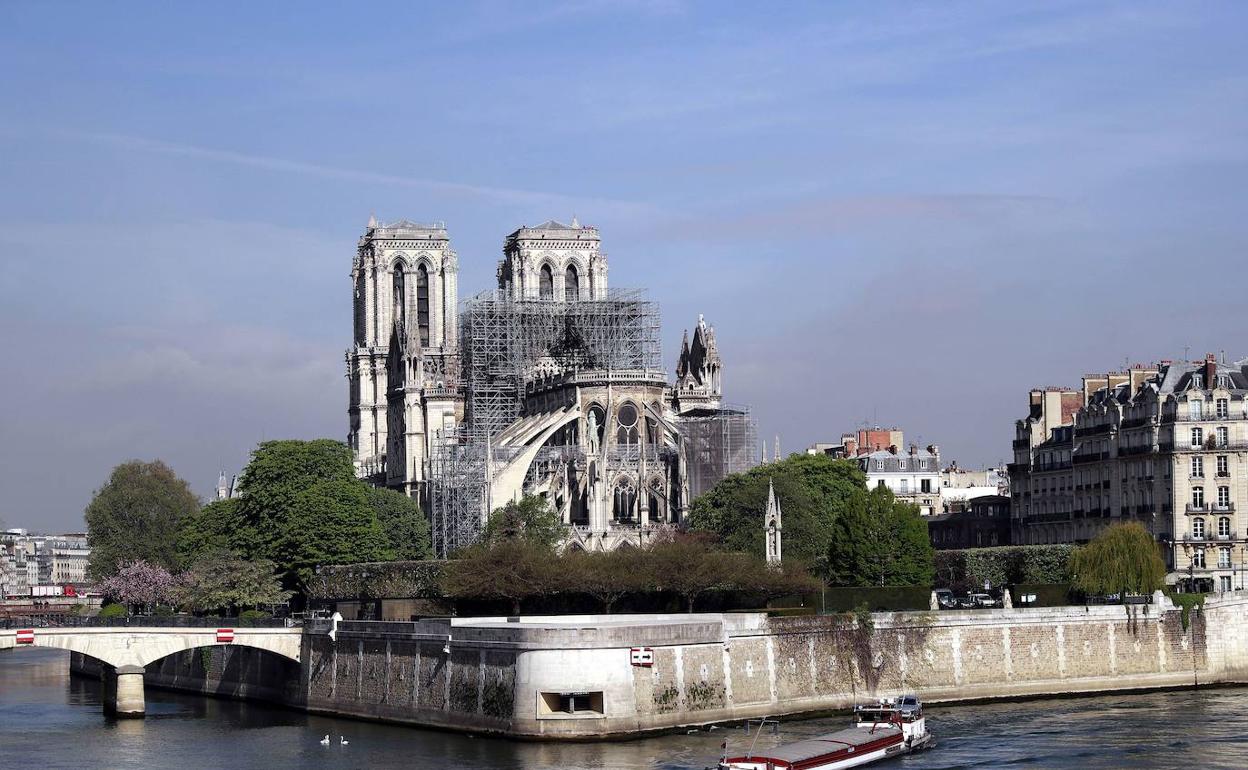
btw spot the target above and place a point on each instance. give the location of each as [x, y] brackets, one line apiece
[127, 651]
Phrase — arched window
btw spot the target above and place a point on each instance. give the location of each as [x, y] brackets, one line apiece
[399, 297]
[422, 303]
[571, 284]
[626, 431]
[1224, 526]
[624, 502]
[546, 285]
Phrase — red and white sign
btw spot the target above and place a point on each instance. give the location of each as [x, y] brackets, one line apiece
[641, 656]
[225, 635]
[26, 636]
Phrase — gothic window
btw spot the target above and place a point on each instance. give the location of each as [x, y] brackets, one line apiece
[571, 284]
[652, 432]
[627, 430]
[546, 283]
[624, 501]
[595, 425]
[422, 303]
[656, 508]
[399, 298]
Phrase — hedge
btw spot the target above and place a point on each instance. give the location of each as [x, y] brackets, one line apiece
[968, 569]
[1047, 594]
[378, 580]
[877, 598]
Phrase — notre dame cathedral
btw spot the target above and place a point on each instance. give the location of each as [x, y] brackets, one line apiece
[551, 385]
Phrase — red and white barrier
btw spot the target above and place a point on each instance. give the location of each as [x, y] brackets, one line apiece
[225, 635]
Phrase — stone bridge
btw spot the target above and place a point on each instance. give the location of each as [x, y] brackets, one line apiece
[126, 650]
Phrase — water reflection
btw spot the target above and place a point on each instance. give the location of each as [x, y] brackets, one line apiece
[48, 719]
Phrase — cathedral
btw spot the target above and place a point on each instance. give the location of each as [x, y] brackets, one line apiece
[550, 384]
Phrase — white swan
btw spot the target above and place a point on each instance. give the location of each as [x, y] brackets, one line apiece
[325, 741]
[343, 740]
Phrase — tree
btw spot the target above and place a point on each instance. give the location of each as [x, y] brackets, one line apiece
[879, 541]
[511, 570]
[1123, 559]
[530, 519]
[403, 523]
[139, 585]
[813, 490]
[306, 507]
[217, 526]
[689, 567]
[135, 517]
[224, 581]
[607, 577]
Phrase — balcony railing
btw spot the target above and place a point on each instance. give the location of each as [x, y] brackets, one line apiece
[1205, 416]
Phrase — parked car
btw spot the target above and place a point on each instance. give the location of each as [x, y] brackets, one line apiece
[945, 599]
[984, 601]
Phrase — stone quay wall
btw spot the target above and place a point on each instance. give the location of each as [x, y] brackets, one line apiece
[573, 677]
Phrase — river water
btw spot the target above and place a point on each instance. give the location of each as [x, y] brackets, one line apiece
[50, 720]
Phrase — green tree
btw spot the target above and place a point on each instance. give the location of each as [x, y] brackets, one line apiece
[1123, 559]
[813, 490]
[135, 517]
[218, 526]
[879, 541]
[404, 524]
[223, 581]
[530, 519]
[306, 507]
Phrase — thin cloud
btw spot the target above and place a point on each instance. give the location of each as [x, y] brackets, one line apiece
[506, 195]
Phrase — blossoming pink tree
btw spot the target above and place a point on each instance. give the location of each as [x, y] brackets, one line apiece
[140, 586]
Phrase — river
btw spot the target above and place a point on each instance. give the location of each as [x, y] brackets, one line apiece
[50, 720]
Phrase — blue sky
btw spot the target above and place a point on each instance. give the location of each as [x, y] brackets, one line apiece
[907, 213]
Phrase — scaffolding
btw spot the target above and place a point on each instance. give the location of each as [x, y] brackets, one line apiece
[504, 344]
[719, 442]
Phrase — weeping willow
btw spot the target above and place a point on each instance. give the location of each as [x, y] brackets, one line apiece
[1122, 559]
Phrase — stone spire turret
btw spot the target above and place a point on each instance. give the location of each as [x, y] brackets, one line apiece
[772, 526]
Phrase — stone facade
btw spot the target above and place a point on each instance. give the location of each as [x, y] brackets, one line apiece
[405, 297]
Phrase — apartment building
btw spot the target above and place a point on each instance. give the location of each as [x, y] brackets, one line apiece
[1166, 446]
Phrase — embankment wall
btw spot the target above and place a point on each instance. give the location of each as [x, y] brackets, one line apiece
[519, 677]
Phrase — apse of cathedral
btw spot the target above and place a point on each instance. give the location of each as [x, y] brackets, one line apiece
[551, 385]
